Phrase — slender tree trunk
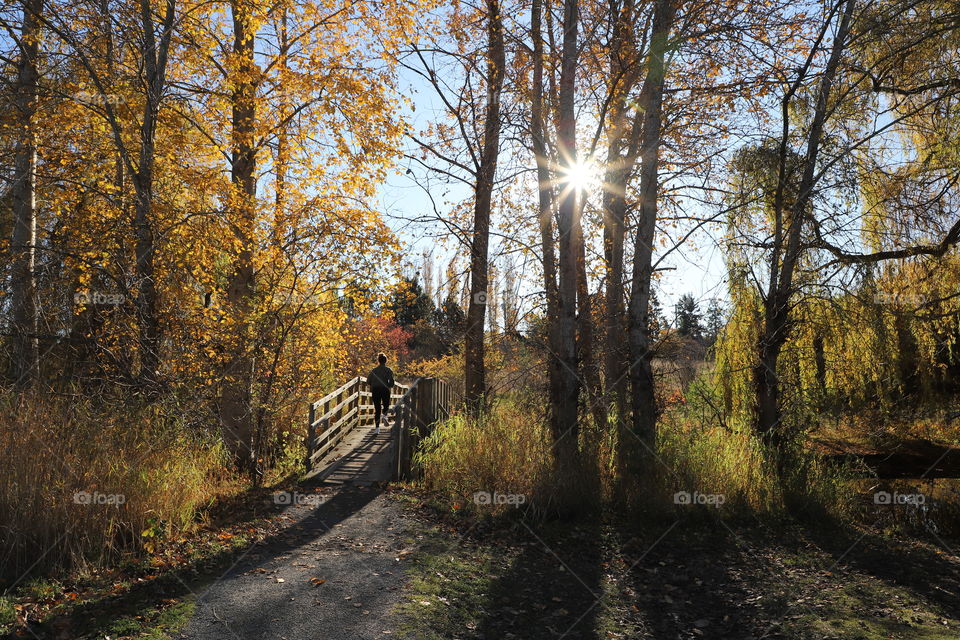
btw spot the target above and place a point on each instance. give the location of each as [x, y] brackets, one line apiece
[614, 229]
[283, 152]
[474, 373]
[545, 195]
[25, 367]
[776, 306]
[569, 381]
[155, 55]
[625, 66]
[236, 410]
[144, 250]
[643, 399]
[585, 329]
[820, 360]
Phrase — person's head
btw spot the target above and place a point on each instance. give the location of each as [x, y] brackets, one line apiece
[382, 358]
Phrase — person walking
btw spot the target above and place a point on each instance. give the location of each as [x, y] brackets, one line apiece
[381, 384]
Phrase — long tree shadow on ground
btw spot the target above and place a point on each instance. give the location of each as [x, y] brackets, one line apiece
[689, 583]
[551, 588]
[909, 564]
[197, 575]
[734, 581]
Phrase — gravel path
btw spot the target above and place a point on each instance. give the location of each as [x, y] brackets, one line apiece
[334, 572]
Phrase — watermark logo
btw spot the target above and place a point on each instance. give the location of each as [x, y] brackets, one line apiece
[307, 301]
[93, 298]
[287, 498]
[97, 98]
[710, 499]
[86, 497]
[487, 498]
[885, 497]
[900, 299]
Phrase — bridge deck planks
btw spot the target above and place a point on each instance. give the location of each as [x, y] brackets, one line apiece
[361, 458]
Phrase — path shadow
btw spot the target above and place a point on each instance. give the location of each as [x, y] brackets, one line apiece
[683, 582]
[248, 608]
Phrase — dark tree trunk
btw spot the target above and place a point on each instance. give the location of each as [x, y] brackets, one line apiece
[155, 66]
[625, 68]
[236, 401]
[615, 342]
[767, 389]
[820, 360]
[569, 382]
[545, 194]
[474, 371]
[643, 400]
[589, 371]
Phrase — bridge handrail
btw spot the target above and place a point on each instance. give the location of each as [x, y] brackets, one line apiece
[415, 409]
[333, 416]
[425, 402]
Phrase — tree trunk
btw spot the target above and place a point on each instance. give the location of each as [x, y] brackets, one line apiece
[768, 412]
[569, 381]
[820, 360]
[474, 373]
[235, 407]
[545, 194]
[588, 364]
[155, 57]
[25, 366]
[767, 389]
[643, 400]
[624, 70]
[283, 152]
[614, 210]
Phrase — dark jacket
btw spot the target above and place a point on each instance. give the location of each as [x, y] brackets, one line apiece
[381, 378]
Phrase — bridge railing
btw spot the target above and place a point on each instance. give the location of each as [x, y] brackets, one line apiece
[414, 410]
[336, 414]
[424, 403]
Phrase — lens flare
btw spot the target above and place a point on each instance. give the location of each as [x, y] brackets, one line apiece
[582, 176]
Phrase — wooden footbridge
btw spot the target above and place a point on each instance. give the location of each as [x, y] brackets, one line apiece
[342, 446]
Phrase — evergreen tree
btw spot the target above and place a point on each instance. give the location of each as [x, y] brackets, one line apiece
[655, 320]
[450, 321]
[713, 321]
[410, 303]
[687, 316]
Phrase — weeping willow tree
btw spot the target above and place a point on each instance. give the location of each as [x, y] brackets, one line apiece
[842, 233]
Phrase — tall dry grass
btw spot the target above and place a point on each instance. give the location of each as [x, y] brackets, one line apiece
[505, 451]
[700, 452]
[85, 482]
[509, 451]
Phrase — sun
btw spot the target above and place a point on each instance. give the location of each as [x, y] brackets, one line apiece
[582, 175]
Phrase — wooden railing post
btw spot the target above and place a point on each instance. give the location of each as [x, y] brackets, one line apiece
[311, 436]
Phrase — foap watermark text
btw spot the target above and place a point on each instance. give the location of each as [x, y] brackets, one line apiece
[695, 497]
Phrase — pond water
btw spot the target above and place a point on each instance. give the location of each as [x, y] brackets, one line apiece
[915, 504]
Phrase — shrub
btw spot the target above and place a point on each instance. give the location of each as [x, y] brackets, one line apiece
[700, 451]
